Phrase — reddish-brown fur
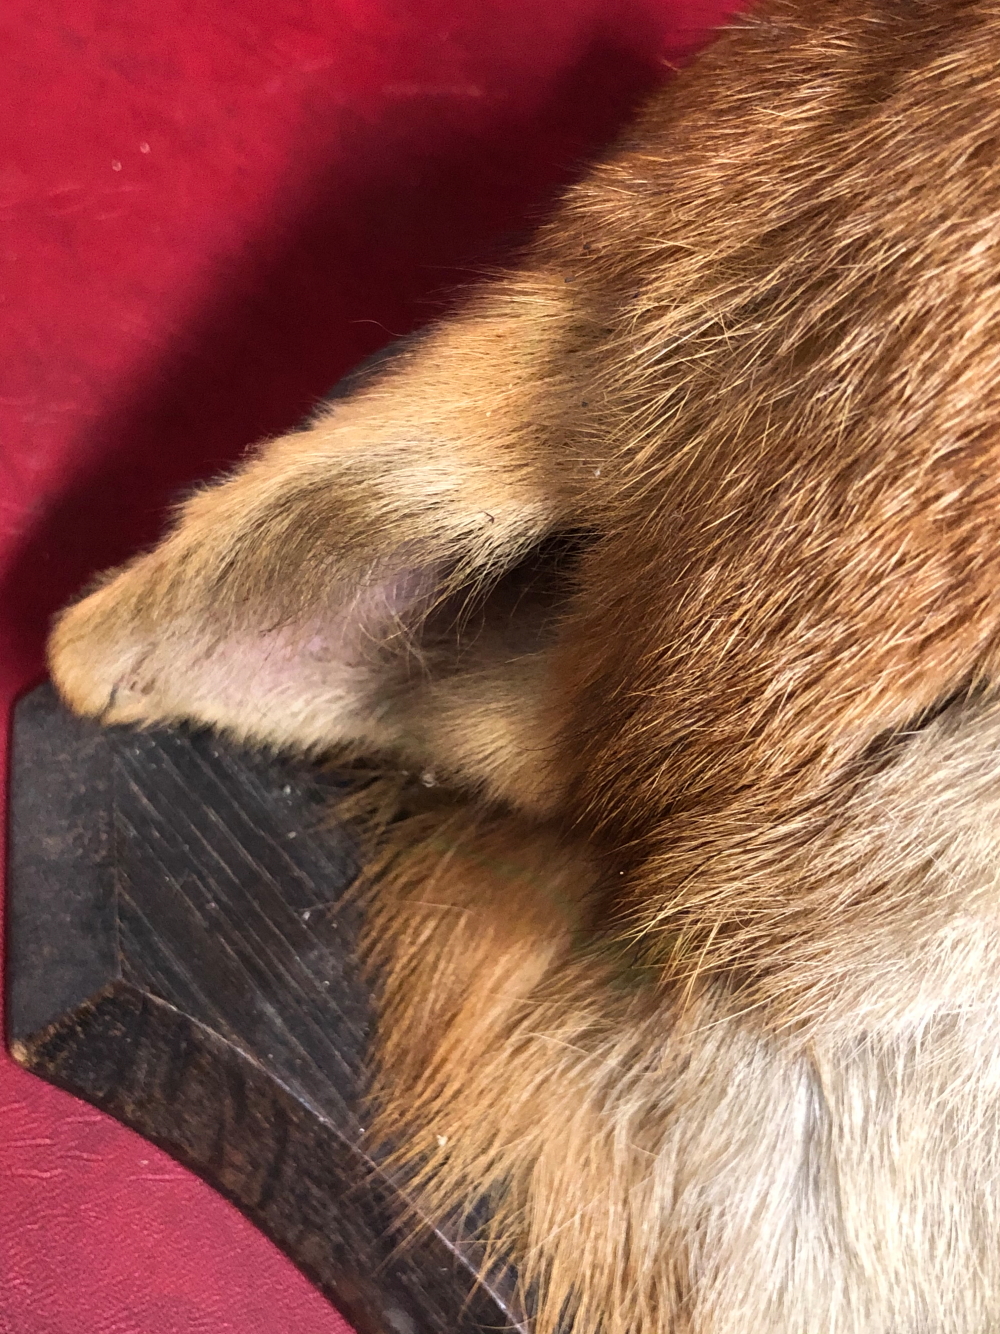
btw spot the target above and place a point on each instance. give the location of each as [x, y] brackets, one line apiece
[671, 562]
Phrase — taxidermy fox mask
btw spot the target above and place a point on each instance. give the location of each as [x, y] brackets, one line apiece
[669, 567]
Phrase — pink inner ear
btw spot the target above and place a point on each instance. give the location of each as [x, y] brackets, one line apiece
[312, 682]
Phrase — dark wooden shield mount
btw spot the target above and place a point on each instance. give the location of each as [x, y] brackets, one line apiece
[181, 956]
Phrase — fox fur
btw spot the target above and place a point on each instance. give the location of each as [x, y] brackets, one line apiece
[669, 565]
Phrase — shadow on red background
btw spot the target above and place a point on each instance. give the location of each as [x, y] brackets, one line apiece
[208, 213]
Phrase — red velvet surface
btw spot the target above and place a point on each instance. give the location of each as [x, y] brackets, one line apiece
[208, 212]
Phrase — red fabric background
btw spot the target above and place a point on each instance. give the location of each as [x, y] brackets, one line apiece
[208, 212]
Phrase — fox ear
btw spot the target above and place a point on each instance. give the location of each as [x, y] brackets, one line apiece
[450, 674]
[287, 604]
[140, 649]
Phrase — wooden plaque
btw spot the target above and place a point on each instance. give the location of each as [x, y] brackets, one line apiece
[181, 956]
